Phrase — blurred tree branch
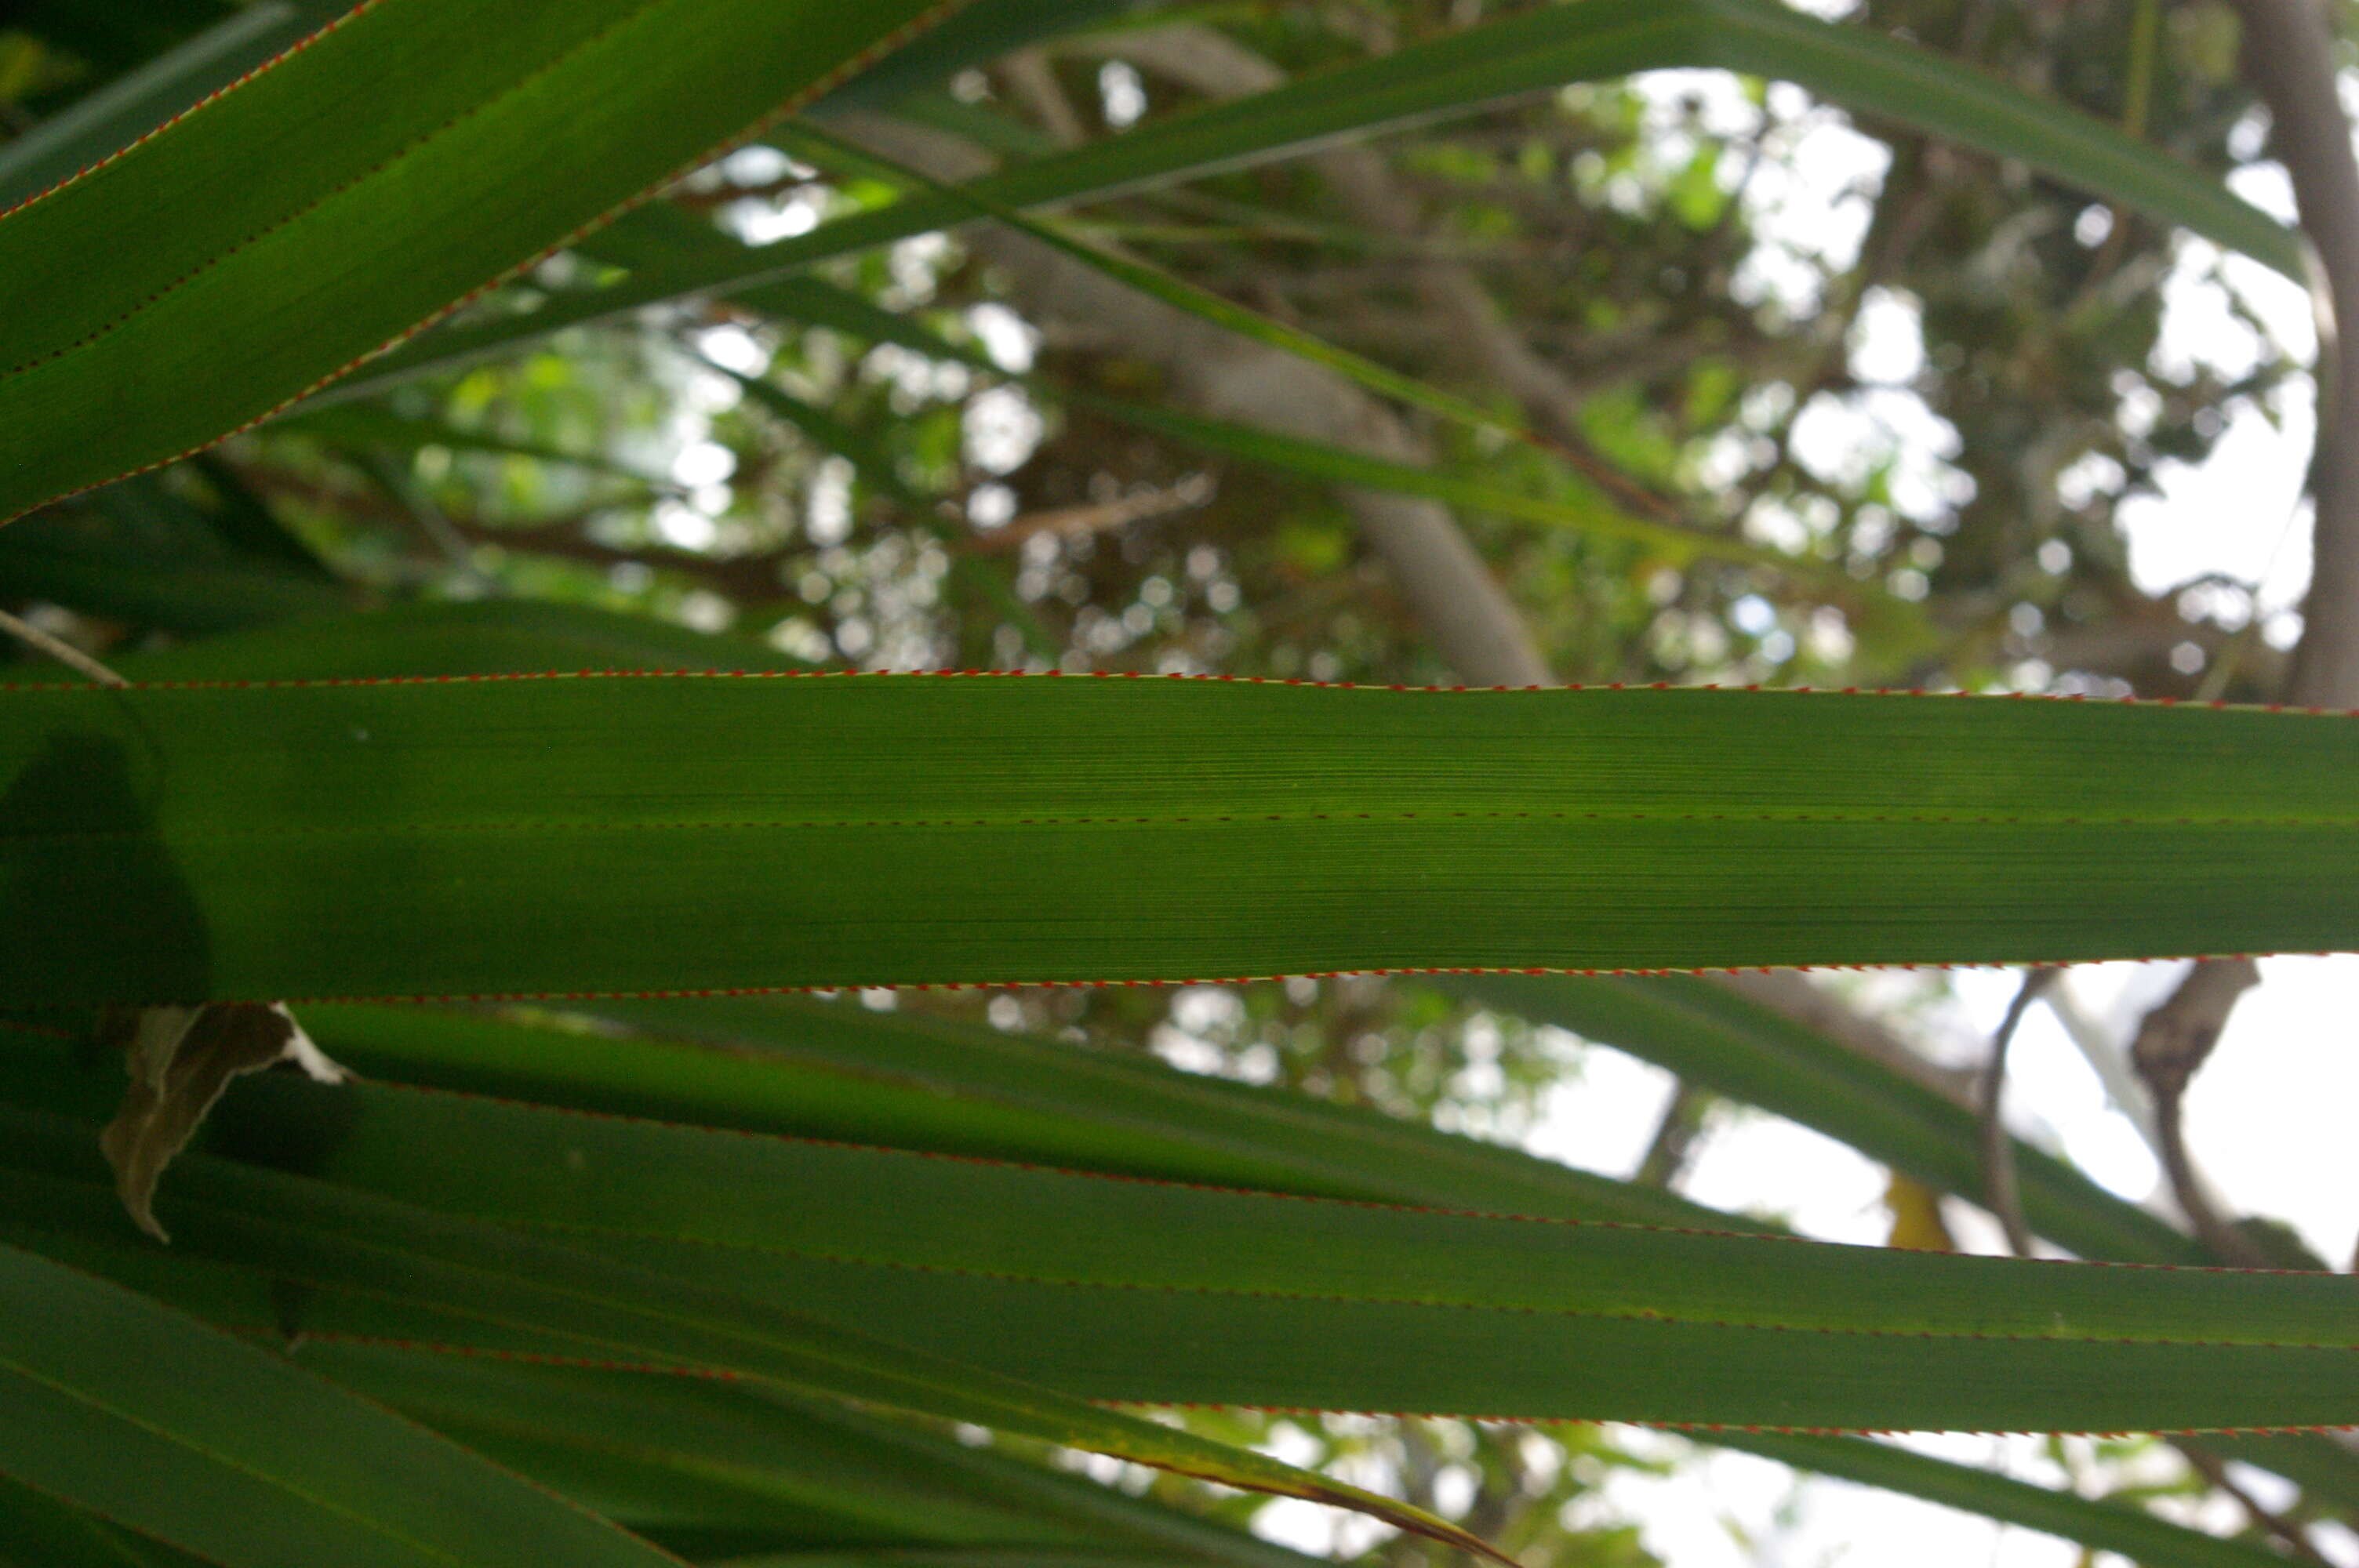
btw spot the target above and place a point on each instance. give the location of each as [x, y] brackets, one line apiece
[2173, 1040]
[2000, 1194]
[2215, 1470]
[1219, 66]
[1473, 625]
[2288, 56]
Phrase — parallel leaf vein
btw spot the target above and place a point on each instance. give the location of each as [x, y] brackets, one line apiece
[428, 138]
[1437, 1303]
[821, 824]
[215, 1456]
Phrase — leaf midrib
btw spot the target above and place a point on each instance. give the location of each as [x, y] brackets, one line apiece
[737, 825]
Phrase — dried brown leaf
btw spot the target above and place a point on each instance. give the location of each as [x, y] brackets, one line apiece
[180, 1059]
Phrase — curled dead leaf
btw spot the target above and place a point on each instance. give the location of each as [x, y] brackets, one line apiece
[180, 1059]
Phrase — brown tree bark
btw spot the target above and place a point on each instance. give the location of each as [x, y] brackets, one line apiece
[2289, 58]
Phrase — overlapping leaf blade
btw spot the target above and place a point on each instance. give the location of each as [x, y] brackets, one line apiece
[38, 1532]
[947, 1241]
[749, 1463]
[436, 837]
[843, 1073]
[821, 1462]
[1457, 73]
[809, 1069]
[906, 1210]
[1127, 1290]
[274, 237]
[149, 1419]
[290, 1235]
[105, 121]
[1813, 52]
[846, 1074]
[2106, 1527]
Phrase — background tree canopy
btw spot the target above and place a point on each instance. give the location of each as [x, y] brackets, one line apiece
[1379, 343]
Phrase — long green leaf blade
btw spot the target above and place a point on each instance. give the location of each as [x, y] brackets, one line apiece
[1963, 1344]
[967, 1090]
[1546, 48]
[409, 641]
[1158, 284]
[905, 1210]
[165, 279]
[305, 1233]
[151, 1420]
[2104, 1526]
[667, 1453]
[1916, 86]
[103, 123]
[38, 1532]
[1340, 465]
[437, 837]
[785, 1065]
[1184, 1347]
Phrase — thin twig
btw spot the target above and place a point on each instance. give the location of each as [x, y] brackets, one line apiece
[2288, 56]
[64, 652]
[2226, 1242]
[2173, 1040]
[1098, 517]
[1999, 1193]
[2295, 1539]
[712, 201]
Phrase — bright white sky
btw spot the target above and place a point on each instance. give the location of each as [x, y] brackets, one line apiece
[2270, 1116]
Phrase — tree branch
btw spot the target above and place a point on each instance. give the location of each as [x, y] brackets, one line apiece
[2213, 1470]
[1999, 1192]
[2107, 1059]
[1097, 517]
[2289, 58]
[1669, 1151]
[1219, 66]
[1473, 625]
[2173, 1040]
